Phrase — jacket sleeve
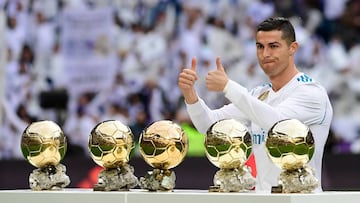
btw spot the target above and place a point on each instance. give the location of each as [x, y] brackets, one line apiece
[203, 117]
[306, 103]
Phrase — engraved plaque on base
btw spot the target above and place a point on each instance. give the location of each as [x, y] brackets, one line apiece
[110, 146]
[163, 145]
[228, 146]
[43, 145]
[290, 146]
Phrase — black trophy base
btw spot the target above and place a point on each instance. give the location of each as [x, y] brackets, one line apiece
[277, 189]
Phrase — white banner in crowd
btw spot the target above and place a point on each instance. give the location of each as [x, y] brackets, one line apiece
[2, 63]
[89, 60]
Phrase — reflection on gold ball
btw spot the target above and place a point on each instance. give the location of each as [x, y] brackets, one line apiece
[290, 144]
[163, 144]
[228, 144]
[110, 144]
[43, 144]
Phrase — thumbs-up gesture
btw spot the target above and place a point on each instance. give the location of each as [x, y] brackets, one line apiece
[217, 79]
[186, 82]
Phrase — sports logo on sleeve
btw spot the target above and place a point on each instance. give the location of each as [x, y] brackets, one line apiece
[304, 78]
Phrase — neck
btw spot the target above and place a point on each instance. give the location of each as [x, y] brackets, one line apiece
[280, 80]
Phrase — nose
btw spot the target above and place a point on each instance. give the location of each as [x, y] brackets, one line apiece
[266, 52]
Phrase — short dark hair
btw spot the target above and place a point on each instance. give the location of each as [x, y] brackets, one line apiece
[281, 24]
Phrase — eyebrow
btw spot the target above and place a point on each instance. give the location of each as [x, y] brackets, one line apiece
[273, 43]
[270, 43]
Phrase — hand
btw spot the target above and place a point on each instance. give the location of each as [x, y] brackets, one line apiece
[186, 82]
[216, 80]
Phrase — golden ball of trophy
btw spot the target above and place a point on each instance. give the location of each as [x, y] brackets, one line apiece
[110, 144]
[290, 144]
[163, 144]
[43, 144]
[228, 144]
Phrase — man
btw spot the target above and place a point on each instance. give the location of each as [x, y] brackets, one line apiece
[290, 94]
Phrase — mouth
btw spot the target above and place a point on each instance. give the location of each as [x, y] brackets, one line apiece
[268, 61]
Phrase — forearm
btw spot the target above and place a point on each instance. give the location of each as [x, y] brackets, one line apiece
[257, 111]
[203, 117]
[199, 115]
[306, 103]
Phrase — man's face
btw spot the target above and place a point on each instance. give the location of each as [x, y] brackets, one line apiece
[273, 52]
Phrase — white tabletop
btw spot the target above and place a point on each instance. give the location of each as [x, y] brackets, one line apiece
[176, 196]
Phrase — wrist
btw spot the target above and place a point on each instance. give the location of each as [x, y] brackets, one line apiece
[191, 97]
[226, 87]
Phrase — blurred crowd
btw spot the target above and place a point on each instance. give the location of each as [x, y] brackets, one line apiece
[153, 40]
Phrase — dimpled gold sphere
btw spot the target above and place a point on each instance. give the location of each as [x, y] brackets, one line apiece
[163, 144]
[228, 144]
[290, 144]
[111, 143]
[43, 144]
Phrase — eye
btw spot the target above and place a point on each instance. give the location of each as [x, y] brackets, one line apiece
[273, 46]
[259, 46]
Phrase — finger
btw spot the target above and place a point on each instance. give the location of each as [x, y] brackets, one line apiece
[185, 83]
[218, 64]
[193, 64]
[188, 74]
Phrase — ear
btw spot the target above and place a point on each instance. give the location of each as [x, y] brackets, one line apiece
[293, 47]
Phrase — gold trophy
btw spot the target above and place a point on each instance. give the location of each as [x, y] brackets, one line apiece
[163, 145]
[43, 145]
[110, 146]
[290, 146]
[228, 146]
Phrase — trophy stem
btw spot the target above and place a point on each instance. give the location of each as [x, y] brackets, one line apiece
[158, 180]
[49, 178]
[116, 179]
[300, 180]
[233, 180]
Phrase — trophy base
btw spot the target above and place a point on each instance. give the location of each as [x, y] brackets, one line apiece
[300, 180]
[116, 179]
[49, 178]
[158, 180]
[215, 188]
[233, 180]
[277, 189]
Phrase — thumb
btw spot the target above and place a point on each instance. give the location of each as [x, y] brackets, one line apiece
[218, 64]
[193, 64]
